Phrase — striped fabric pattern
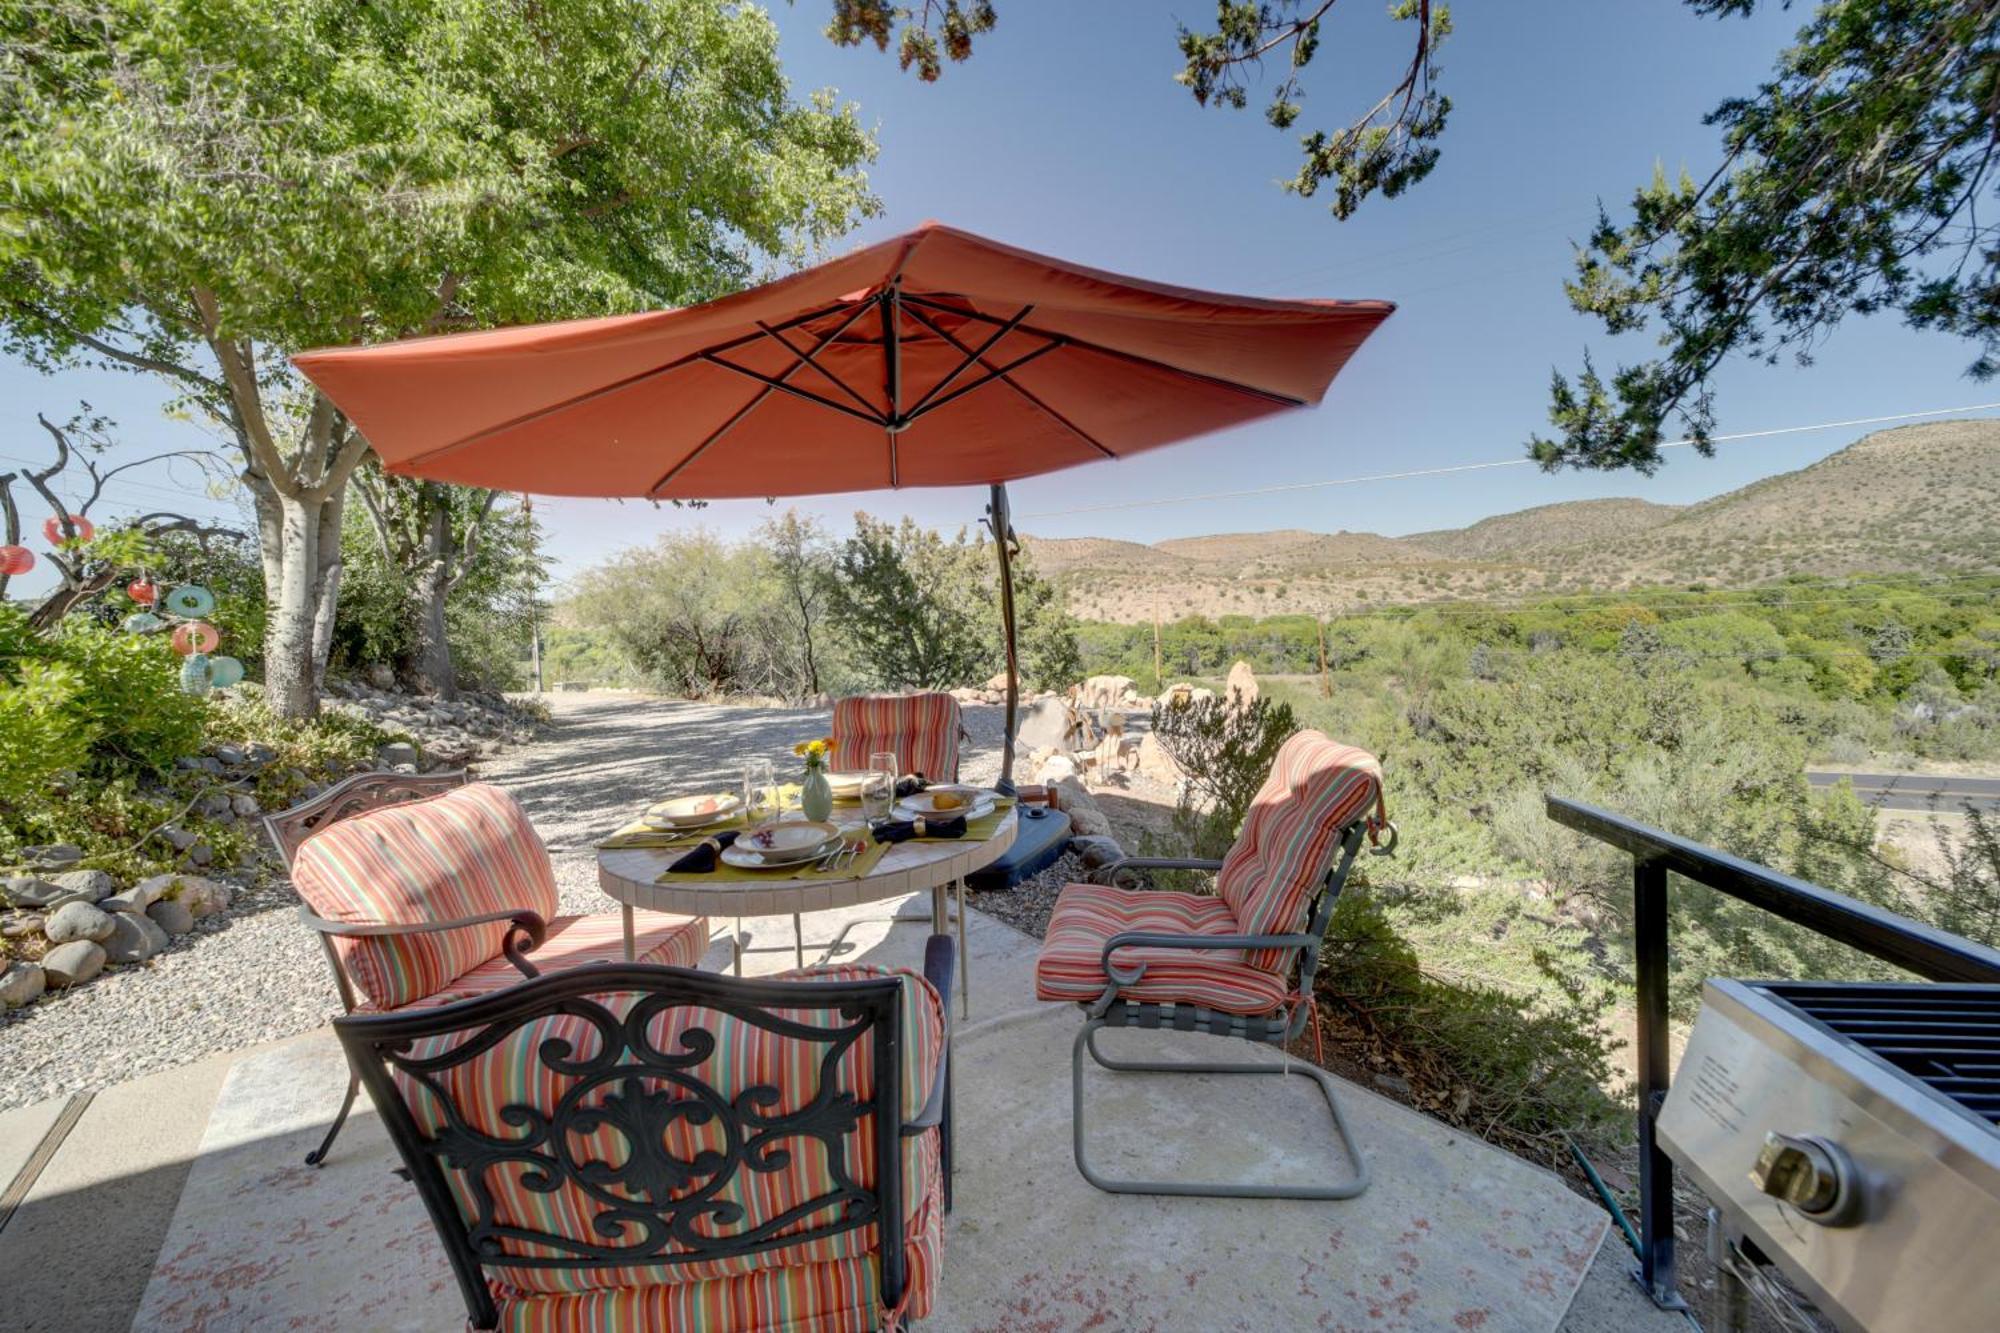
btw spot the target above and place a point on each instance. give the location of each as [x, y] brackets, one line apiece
[1070, 966]
[467, 852]
[513, 1072]
[1316, 789]
[577, 941]
[838, 1296]
[920, 729]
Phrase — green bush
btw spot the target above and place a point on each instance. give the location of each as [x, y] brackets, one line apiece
[119, 694]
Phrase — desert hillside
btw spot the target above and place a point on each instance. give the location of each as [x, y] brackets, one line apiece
[1913, 499]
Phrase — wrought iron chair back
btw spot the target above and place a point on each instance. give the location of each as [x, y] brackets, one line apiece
[585, 1045]
[289, 828]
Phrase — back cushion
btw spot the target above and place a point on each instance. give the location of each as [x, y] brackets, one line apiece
[1316, 789]
[465, 853]
[920, 729]
[770, 1190]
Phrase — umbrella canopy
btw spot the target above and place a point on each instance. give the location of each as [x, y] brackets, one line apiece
[939, 358]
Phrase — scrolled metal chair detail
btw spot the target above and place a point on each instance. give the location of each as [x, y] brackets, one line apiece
[659, 1143]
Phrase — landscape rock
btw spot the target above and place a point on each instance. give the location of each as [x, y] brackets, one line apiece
[133, 938]
[396, 754]
[202, 897]
[259, 755]
[89, 886]
[1084, 817]
[212, 804]
[172, 917]
[1097, 851]
[78, 921]
[245, 805]
[1105, 691]
[51, 856]
[1241, 687]
[1055, 768]
[27, 891]
[140, 896]
[23, 983]
[1153, 762]
[179, 838]
[199, 854]
[17, 924]
[231, 755]
[72, 964]
[1046, 724]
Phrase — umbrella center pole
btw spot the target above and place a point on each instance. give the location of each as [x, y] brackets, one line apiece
[1000, 519]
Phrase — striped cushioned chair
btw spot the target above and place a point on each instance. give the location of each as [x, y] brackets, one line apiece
[633, 1147]
[921, 730]
[424, 889]
[1239, 964]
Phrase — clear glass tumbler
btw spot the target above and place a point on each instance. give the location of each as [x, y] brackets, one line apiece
[760, 791]
[878, 789]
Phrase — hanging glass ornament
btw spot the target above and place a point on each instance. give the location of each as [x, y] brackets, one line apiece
[195, 677]
[195, 636]
[16, 560]
[224, 672]
[190, 599]
[142, 592]
[52, 528]
[141, 622]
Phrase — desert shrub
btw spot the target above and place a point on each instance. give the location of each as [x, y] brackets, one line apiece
[1225, 751]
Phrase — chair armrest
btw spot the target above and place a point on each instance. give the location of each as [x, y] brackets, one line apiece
[1146, 939]
[940, 965]
[1108, 874]
[524, 922]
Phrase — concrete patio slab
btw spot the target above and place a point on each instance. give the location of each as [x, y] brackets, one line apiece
[1455, 1234]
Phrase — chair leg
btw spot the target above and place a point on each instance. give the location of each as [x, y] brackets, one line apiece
[964, 960]
[317, 1156]
[1087, 1040]
[945, 1131]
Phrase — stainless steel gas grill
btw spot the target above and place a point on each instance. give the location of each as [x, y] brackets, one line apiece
[1850, 1132]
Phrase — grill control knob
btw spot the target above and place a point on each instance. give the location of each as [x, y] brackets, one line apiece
[1812, 1175]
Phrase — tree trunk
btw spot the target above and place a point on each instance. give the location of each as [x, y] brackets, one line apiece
[293, 602]
[430, 668]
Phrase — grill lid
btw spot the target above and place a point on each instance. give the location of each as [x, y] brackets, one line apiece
[1944, 1038]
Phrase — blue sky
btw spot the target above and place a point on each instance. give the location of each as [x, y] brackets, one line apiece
[1065, 133]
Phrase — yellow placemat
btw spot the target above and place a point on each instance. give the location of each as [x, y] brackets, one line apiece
[640, 834]
[729, 874]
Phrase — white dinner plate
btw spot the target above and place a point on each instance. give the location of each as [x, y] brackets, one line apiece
[922, 805]
[693, 812]
[776, 846]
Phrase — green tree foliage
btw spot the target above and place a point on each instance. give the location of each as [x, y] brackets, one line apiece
[196, 188]
[1387, 148]
[1226, 751]
[1849, 183]
[909, 601]
[693, 613]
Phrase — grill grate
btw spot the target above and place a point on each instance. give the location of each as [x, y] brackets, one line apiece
[1946, 1037]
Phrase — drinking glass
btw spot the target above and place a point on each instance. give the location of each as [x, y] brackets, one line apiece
[878, 789]
[760, 791]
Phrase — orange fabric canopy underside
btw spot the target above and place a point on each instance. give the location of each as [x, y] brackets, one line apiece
[938, 358]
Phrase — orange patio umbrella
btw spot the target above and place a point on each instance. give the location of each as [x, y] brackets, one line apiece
[938, 358]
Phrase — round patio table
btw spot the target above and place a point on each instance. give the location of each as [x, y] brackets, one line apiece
[630, 876]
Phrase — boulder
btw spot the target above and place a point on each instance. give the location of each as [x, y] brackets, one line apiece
[51, 856]
[1154, 763]
[202, 897]
[23, 983]
[229, 754]
[998, 682]
[133, 938]
[1046, 724]
[27, 891]
[72, 964]
[15, 925]
[395, 754]
[1241, 687]
[1105, 691]
[212, 804]
[140, 896]
[78, 921]
[88, 886]
[1097, 851]
[1057, 767]
[1085, 819]
[199, 854]
[172, 917]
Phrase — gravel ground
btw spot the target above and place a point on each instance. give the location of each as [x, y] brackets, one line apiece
[255, 974]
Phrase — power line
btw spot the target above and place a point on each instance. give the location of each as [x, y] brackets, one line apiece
[1498, 463]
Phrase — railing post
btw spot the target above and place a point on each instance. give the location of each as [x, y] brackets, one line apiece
[1656, 1169]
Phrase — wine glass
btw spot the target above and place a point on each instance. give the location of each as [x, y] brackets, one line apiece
[878, 789]
[760, 791]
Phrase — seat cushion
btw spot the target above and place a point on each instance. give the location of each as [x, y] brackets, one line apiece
[923, 1023]
[1071, 968]
[921, 730]
[465, 853]
[839, 1296]
[576, 941]
[1316, 789]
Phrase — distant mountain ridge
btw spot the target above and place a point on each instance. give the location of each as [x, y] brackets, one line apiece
[1916, 498]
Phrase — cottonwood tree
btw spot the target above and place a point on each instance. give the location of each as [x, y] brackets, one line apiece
[1849, 184]
[195, 190]
[84, 569]
[801, 558]
[434, 534]
[1388, 147]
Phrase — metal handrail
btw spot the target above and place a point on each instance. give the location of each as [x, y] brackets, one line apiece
[1930, 953]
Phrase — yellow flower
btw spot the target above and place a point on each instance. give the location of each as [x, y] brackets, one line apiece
[813, 749]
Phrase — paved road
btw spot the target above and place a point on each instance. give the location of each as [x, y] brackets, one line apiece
[1916, 791]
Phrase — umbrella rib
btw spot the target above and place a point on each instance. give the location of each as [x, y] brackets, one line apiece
[993, 373]
[825, 374]
[1283, 399]
[856, 313]
[1011, 383]
[605, 390]
[923, 403]
[777, 383]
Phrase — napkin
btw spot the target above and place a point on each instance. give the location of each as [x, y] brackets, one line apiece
[910, 784]
[902, 830]
[704, 857]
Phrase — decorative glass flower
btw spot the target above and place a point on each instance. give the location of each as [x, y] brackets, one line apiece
[141, 622]
[195, 636]
[52, 528]
[16, 560]
[194, 674]
[190, 599]
[142, 592]
[224, 672]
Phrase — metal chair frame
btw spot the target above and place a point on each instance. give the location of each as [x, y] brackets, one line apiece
[379, 1046]
[1278, 1029]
